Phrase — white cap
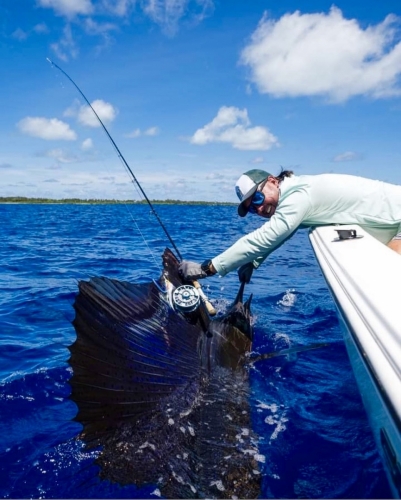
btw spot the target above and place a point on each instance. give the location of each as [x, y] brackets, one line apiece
[246, 185]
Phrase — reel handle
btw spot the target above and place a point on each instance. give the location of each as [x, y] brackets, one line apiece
[210, 309]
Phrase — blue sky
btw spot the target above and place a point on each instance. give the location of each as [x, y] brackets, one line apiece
[194, 93]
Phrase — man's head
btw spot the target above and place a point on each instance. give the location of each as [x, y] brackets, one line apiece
[250, 189]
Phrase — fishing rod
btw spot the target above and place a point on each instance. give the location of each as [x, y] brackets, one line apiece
[212, 311]
[122, 158]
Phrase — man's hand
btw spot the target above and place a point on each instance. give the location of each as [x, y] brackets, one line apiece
[245, 272]
[191, 271]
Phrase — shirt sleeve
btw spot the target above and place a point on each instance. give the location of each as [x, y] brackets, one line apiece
[256, 246]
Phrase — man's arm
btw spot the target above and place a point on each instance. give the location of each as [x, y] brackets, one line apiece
[259, 244]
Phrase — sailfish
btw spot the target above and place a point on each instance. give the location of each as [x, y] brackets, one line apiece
[165, 394]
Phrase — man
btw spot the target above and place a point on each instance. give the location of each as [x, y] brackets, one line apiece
[289, 202]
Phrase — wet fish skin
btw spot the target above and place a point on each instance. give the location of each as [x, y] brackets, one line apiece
[167, 402]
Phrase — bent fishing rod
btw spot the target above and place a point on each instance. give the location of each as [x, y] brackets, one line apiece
[122, 158]
[211, 310]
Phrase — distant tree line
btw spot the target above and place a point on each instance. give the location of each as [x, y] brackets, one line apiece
[23, 199]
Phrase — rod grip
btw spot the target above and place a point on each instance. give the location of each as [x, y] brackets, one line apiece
[210, 309]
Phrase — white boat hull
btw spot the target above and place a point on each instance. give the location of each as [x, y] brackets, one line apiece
[364, 277]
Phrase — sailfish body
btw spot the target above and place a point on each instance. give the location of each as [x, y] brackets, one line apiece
[165, 394]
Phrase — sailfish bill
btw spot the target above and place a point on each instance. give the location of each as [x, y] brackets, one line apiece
[165, 394]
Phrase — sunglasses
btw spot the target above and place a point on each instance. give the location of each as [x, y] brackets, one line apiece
[257, 199]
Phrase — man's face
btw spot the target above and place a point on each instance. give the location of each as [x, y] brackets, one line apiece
[271, 193]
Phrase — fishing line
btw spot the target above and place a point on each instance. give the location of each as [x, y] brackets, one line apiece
[122, 159]
[156, 261]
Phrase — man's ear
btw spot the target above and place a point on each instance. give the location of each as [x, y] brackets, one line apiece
[273, 180]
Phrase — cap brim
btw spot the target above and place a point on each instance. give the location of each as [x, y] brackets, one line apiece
[243, 209]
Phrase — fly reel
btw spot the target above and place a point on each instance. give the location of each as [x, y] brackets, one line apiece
[186, 298]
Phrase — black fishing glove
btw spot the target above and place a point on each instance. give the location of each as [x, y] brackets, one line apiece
[245, 272]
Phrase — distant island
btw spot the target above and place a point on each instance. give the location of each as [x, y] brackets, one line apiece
[78, 201]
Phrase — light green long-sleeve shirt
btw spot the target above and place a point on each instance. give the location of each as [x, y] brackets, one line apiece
[316, 200]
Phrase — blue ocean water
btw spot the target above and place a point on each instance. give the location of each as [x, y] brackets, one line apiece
[315, 436]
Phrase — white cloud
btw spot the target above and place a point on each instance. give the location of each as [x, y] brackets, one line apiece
[258, 159]
[347, 156]
[213, 176]
[22, 35]
[165, 12]
[66, 47]
[87, 144]
[73, 110]
[152, 131]
[134, 134]
[106, 112]
[41, 28]
[324, 55]
[232, 125]
[19, 35]
[60, 155]
[168, 13]
[68, 8]
[50, 129]
[94, 28]
[118, 7]
[103, 30]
